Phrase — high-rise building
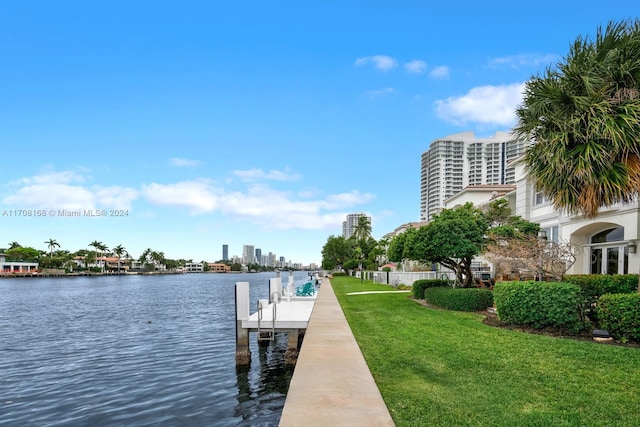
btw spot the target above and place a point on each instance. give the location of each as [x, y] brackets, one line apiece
[225, 252]
[349, 225]
[457, 161]
[259, 256]
[248, 254]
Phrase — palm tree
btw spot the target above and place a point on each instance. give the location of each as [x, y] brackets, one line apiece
[51, 243]
[583, 119]
[158, 257]
[14, 245]
[362, 233]
[145, 257]
[362, 230]
[100, 248]
[120, 251]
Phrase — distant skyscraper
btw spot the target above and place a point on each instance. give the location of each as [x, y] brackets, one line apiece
[457, 161]
[225, 252]
[248, 254]
[349, 226]
[259, 256]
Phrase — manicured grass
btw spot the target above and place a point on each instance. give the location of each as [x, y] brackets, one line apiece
[445, 368]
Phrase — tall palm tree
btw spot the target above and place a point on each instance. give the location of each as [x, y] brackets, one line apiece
[120, 251]
[362, 233]
[14, 245]
[583, 119]
[158, 257]
[362, 230]
[51, 243]
[145, 257]
[100, 248]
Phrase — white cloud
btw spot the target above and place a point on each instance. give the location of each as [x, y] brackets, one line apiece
[184, 163]
[115, 197]
[255, 203]
[381, 92]
[51, 178]
[51, 196]
[489, 105]
[524, 60]
[415, 67]
[64, 190]
[198, 196]
[273, 175]
[381, 62]
[346, 200]
[440, 72]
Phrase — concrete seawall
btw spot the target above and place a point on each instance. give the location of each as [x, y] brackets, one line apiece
[332, 384]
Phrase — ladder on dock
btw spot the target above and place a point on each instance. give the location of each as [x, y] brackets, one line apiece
[269, 335]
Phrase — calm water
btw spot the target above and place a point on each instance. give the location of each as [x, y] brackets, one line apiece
[134, 351]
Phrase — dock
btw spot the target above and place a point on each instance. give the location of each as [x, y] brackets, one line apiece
[286, 310]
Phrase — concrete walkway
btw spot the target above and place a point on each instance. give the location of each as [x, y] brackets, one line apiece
[331, 383]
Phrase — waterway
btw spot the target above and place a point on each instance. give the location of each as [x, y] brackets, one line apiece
[135, 351]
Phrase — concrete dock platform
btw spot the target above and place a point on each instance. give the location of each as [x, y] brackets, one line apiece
[332, 384]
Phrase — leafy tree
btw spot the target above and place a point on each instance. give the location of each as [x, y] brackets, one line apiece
[583, 117]
[499, 212]
[452, 238]
[399, 246]
[336, 252]
[24, 254]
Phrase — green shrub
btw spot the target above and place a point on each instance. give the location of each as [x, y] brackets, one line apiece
[419, 286]
[460, 299]
[620, 315]
[540, 304]
[595, 285]
[339, 273]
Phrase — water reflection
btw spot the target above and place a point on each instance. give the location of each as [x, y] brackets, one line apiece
[263, 385]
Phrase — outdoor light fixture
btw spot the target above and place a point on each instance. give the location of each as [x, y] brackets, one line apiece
[632, 249]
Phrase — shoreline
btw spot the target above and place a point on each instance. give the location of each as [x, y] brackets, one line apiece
[98, 274]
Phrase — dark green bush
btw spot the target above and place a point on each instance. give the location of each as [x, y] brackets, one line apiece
[595, 285]
[460, 299]
[339, 273]
[419, 286]
[620, 315]
[540, 304]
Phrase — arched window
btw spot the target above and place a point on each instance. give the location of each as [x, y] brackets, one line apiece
[610, 235]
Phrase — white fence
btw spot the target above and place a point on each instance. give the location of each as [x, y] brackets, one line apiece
[396, 278]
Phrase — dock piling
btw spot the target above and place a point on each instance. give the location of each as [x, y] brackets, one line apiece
[243, 352]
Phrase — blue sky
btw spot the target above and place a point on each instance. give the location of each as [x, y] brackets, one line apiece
[260, 123]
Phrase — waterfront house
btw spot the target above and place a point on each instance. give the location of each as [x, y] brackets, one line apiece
[605, 244]
[16, 267]
[219, 267]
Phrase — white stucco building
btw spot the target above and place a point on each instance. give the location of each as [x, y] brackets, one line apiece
[605, 244]
[16, 267]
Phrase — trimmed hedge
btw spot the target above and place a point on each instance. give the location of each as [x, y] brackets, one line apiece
[540, 304]
[595, 285]
[460, 299]
[419, 286]
[620, 315]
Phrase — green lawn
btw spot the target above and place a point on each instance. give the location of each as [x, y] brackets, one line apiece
[444, 368]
